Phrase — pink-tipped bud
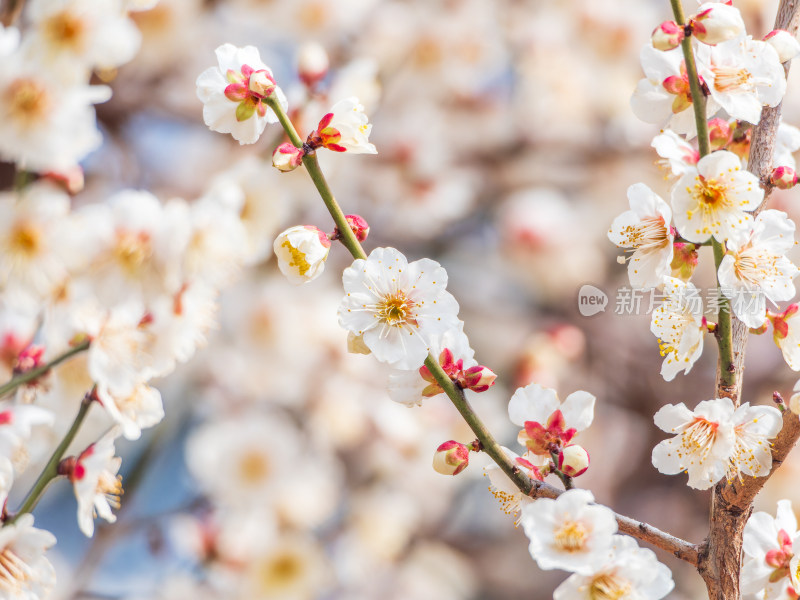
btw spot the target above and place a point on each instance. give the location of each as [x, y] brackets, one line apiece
[359, 226]
[717, 23]
[785, 44]
[684, 260]
[478, 378]
[667, 36]
[719, 133]
[312, 63]
[573, 460]
[70, 179]
[783, 178]
[287, 157]
[29, 358]
[451, 458]
[261, 84]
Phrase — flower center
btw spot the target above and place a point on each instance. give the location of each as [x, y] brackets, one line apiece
[608, 586]
[253, 467]
[649, 234]
[25, 239]
[66, 30]
[281, 571]
[709, 193]
[132, 250]
[754, 266]
[728, 79]
[13, 571]
[111, 488]
[28, 100]
[395, 310]
[699, 436]
[571, 536]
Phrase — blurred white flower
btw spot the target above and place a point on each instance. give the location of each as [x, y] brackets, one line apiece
[16, 424]
[717, 22]
[570, 533]
[25, 574]
[678, 155]
[234, 94]
[630, 572]
[397, 306]
[767, 545]
[135, 410]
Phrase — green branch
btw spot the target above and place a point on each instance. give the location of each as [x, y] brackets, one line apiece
[29, 376]
[50, 471]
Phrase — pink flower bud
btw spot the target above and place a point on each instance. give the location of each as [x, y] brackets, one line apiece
[70, 179]
[312, 63]
[785, 44]
[359, 226]
[478, 378]
[684, 260]
[573, 460]
[287, 157]
[261, 84]
[783, 178]
[716, 23]
[719, 133]
[667, 36]
[451, 458]
[29, 358]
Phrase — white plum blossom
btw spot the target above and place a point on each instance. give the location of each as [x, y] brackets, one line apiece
[570, 533]
[397, 306]
[96, 484]
[743, 76]
[679, 326]
[755, 267]
[711, 199]
[767, 545]
[45, 125]
[645, 230]
[663, 97]
[546, 421]
[630, 572]
[72, 37]
[716, 440]
[345, 129]
[25, 572]
[787, 142]
[677, 155]
[133, 411]
[234, 94]
[301, 252]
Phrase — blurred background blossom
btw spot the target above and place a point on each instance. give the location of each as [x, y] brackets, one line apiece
[506, 145]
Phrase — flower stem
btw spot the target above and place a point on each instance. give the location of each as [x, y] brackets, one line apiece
[28, 376]
[50, 471]
[726, 371]
[565, 479]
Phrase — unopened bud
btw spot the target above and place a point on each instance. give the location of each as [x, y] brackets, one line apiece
[478, 378]
[70, 179]
[261, 84]
[312, 63]
[785, 44]
[719, 133]
[716, 23]
[451, 458]
[783, 178]
[684, 260]
[667, 36]
[287, 157]
[356, 345]
[29, 359]
[302, 251]
[573, 460]
[359, 226]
